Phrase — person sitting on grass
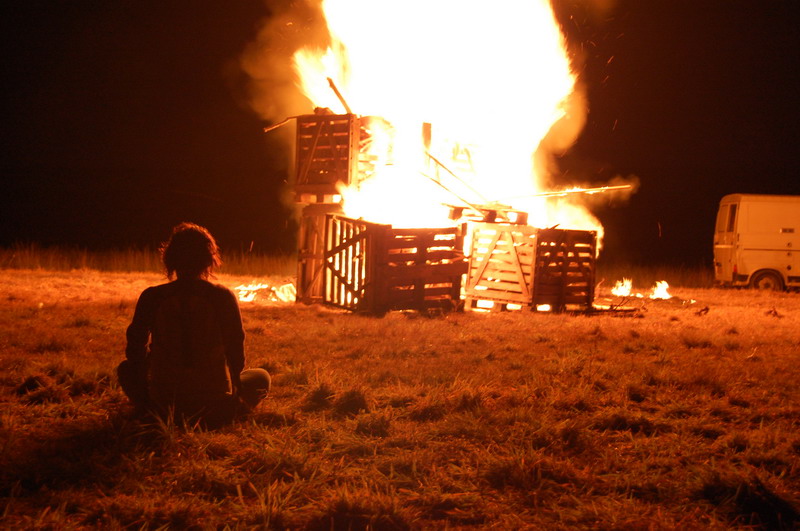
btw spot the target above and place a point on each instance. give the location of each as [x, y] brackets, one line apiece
[185, 351]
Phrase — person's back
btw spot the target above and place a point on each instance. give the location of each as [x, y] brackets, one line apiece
[187, 354]
[185, 351]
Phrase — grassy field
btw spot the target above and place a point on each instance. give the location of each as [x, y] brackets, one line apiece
[676, 414]
[33, 256]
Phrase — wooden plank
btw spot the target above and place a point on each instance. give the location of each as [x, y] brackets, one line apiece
[408, 260]
[402, 232]
[308, 158]
[499, 287]
[424, 271]
[476, 277]
[426, 292]
[346, 244]
[439, 256]
[506, 276]
[409, 293]
[503, 296]
[493, 279]
[334, 128]
[509, 258]
[419, 287]
[502, 266]
[397, 245]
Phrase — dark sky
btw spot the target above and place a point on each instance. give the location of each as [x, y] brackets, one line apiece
[121, 118]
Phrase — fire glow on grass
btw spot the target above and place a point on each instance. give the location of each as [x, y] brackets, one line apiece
[490, 80]
[283, 293]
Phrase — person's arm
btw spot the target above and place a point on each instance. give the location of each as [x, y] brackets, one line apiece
[138, 333]
[233, 336]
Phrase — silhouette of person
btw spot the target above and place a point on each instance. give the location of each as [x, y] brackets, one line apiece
[185, 350]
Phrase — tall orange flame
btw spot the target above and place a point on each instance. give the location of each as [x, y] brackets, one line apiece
[491, 79]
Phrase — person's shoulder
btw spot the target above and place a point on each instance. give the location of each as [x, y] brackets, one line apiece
[155, 291]
[219, 290]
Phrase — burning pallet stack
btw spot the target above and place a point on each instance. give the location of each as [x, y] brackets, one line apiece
[354, 264]
[375, 268]
[326, 154]
[518, 266]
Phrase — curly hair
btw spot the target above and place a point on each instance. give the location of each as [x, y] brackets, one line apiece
[191, 251]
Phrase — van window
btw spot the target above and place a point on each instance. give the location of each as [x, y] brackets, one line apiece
[722, 218]
[732, 218]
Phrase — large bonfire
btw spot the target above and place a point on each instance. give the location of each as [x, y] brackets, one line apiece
[488, 84]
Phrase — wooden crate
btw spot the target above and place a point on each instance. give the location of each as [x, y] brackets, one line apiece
[327, 147]
[501, 266]
[376, 268]
[332, 150]
[311, 251]
[521, 266]
[565, 269]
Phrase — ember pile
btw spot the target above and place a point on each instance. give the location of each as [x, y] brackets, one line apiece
[285, 292]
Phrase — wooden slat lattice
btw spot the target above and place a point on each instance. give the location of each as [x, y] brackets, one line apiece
[501, 264]
[565, 268]
[348, 243]
[311, 251]
[375, 268]
[326, 152]
[333, 150]
[529, 267]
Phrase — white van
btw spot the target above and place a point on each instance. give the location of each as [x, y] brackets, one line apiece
[757, 241]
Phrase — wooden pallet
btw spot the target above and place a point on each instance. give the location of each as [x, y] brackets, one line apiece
[500, 265]
[329, 154]
[376, 268]
[325, 154]
[311, 251]
[517, 266]
[565, 269]
[332, 150]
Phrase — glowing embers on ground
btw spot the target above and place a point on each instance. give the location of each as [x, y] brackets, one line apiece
[251, 292]
[624, 288]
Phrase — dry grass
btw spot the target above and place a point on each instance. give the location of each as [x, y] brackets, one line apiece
[33, 256]
[670, 416]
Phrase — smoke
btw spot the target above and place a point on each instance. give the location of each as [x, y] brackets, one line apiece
[614, 196]
[564, 133]
[601, 8]
[272, 90]
[631, 180]
[561, 136]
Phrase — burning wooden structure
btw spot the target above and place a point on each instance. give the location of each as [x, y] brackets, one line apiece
[374, 268]
[328, 155]
[525, 267]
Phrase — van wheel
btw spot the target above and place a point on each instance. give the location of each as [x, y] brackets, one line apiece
[767, 281]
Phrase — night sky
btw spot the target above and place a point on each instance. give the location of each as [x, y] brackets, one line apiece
[122, 118]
